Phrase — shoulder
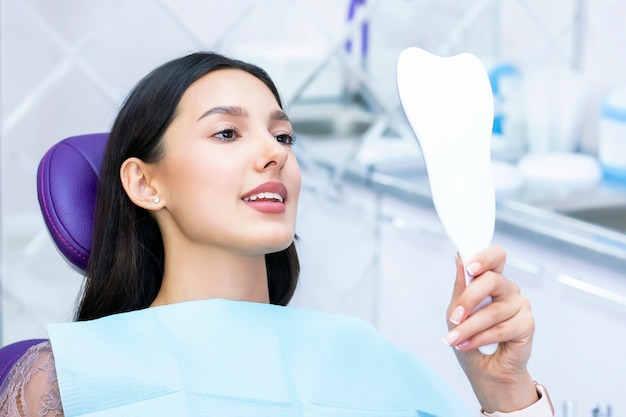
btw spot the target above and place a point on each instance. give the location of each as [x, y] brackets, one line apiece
[31, 387]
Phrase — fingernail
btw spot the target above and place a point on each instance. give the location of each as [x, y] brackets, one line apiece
[462, 345]
[457, 315]
[473, 268]
[451, 337]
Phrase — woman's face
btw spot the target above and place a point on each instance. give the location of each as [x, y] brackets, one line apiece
[229, 177]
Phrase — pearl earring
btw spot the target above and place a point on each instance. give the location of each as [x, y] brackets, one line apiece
[156, 200]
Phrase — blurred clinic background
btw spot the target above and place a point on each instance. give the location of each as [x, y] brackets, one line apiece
[371, 245]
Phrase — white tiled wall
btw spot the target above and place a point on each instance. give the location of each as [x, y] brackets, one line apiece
[67, 64]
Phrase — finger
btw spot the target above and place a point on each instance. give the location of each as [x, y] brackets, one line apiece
[466, 298]
[509, 333]
[501, 322]
[491, 259]
[490, 284]
[459, 282]
[454, 314]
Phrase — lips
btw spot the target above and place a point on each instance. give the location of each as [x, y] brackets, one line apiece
[268, 197]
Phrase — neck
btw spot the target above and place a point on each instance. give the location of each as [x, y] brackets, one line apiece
[198, 275]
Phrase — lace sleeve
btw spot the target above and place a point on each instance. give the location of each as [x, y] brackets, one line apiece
[31, 388]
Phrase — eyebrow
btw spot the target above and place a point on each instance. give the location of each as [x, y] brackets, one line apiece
[230, 110]
[239, 111]
[279, 115]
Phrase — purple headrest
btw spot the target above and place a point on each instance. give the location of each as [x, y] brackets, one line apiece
[67, 180]
[10, 354]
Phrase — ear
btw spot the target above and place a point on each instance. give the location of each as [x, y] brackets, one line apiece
[139, 186]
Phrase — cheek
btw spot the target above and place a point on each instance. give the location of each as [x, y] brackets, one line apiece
[196, 176]
[295, 177]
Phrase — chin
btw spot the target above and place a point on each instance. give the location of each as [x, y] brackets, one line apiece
[279, 244]
[279, 248]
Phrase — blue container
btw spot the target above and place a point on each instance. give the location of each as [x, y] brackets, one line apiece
[612, 135]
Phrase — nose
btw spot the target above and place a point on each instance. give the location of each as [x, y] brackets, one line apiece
[272, 153]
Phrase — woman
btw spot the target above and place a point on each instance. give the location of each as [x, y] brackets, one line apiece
[197, 201]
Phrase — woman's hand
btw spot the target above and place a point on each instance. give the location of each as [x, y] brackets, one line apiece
[500, 381]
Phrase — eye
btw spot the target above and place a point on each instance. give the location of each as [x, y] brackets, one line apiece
[227, 134]
[286, 138]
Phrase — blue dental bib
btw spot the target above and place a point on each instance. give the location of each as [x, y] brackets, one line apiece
[232, 358]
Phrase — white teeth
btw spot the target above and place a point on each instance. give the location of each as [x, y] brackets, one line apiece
[264, 196]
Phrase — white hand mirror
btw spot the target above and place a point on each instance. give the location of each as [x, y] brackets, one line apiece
[449, 105]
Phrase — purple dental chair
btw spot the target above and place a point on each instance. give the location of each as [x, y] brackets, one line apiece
[66, 188]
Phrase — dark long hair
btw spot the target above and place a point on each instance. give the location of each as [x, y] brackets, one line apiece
[125, 269]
